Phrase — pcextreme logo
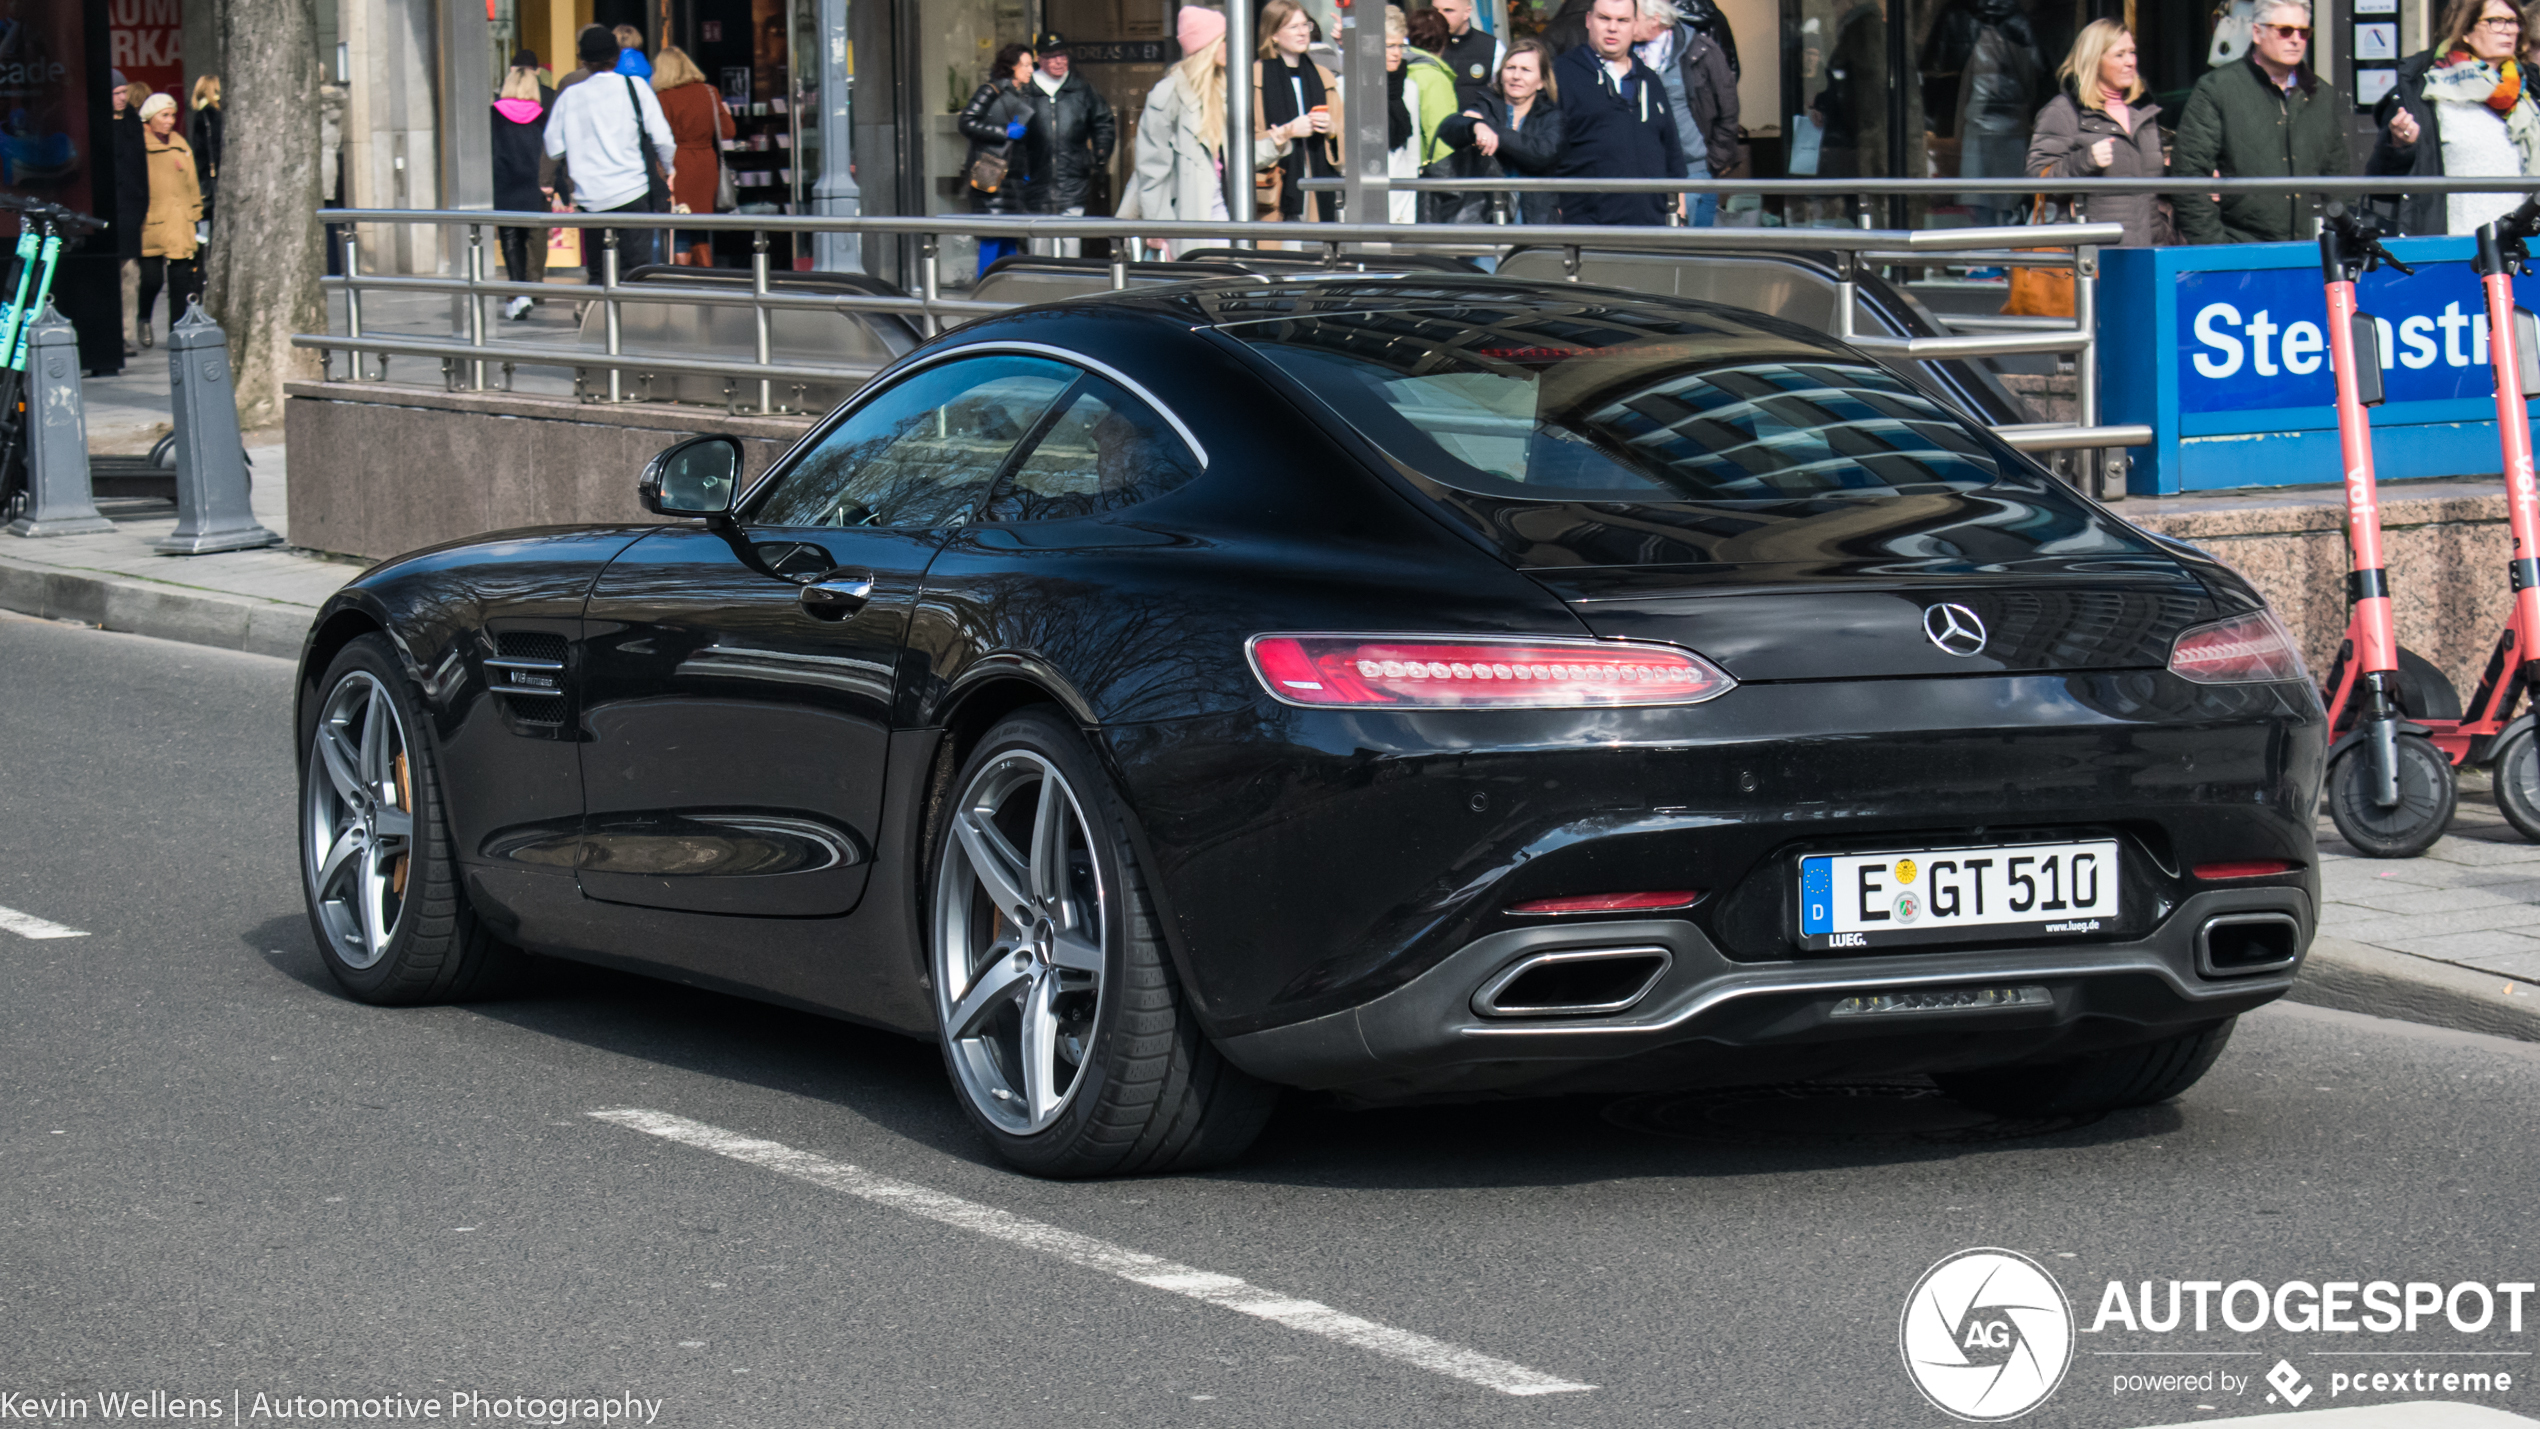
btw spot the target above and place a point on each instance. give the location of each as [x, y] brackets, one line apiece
[1987, 1335]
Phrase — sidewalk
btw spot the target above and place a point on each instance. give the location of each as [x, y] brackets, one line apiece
[257, 601]
[2450, 937]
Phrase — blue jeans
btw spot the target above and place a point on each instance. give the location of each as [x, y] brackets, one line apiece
[992, 249]
[1705, 211]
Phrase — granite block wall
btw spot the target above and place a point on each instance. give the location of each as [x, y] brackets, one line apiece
[2446, 545]
[376, 471]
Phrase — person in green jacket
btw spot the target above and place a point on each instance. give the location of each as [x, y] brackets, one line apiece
[2267, 116]
[1420, 97]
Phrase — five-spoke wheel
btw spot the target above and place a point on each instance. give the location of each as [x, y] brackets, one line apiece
[1022, 920]
[383, 891]
[360, 838]
[1061, 1016]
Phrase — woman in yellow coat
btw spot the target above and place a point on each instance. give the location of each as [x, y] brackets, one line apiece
[168, 244]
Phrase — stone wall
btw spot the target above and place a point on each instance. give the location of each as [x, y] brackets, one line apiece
[378, 470]
[2446, 544]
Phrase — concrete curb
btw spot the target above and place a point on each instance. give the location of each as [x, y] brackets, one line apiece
[2357, 977]
[166, 612]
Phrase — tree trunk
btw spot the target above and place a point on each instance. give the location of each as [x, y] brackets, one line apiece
[266, 252]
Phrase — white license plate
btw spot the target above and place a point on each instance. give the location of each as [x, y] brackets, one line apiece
[1866, 900]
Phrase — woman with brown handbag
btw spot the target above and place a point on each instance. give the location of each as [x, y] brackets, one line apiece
[998, 123]
[2100, 127]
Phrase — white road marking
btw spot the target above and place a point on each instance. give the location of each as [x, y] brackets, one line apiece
[1154, 1272]
[27, 925]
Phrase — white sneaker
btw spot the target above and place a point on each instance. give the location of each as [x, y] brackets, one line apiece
[516, 309]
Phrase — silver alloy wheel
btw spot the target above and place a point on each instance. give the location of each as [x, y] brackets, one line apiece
[1019, 939]
[358, 807]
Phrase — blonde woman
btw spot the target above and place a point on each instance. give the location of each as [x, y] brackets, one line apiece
[2100, 127]
[1182, 136]
[205, 130]
[699, 123]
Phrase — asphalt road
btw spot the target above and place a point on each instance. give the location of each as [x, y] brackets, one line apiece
[221, 1179]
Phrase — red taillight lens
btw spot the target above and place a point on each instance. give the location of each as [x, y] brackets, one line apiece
[2244, 650]
[1612, 902]
[1378, 672]
[2245, 868]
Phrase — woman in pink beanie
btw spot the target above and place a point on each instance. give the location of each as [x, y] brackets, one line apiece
[1182, 134]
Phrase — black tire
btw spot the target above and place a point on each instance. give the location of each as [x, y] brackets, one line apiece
[2103, 1081]
[1147, 1092]
[2517, 773]
[436, 949]
[2428, 795]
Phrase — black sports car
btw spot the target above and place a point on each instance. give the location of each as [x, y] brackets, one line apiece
[1418, 687]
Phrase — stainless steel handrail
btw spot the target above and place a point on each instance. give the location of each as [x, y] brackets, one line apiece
[2333, 186]
[2067, 246]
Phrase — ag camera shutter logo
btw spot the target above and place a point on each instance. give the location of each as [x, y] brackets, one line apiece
[1987, 1335]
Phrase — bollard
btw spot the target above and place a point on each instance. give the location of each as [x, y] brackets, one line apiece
[59, 503]
[212, 513]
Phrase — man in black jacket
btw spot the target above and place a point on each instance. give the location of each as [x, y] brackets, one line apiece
[1616, 123]
[1474, 54]
[131, 204]
[1080, 133]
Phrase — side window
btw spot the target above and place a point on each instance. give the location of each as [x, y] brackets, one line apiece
[1105, 451]
[922, 453]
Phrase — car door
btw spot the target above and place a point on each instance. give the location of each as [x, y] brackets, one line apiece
[739, 675]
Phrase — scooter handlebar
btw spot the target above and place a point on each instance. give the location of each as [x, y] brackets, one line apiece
[2363, 237]
[2523, 223]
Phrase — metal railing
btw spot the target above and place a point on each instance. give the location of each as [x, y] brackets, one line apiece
[469, 362]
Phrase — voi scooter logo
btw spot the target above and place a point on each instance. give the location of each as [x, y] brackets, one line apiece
[1986, 1335]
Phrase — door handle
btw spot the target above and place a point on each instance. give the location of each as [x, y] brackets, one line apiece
[838, 594]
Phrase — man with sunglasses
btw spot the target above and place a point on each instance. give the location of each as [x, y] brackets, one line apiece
[2266, 117]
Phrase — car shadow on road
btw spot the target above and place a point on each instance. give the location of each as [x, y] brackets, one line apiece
[1577, 1139]
[895, 1081]
[898, 1084]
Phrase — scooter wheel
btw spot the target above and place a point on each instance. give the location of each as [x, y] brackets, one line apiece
[2408, 828]
[2517, 771]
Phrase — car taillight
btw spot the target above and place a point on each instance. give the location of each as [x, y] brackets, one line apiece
[2244, 650]
[1409, 672]
[1611, 902]
[2245, 868]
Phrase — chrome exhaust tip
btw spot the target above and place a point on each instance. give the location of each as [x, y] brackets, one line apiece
[1573, 982]
[2239, 944]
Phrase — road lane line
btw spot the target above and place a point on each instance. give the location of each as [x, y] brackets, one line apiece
[27, 925]
[1154, 1272]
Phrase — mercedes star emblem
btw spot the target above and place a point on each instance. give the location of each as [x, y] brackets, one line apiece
[1954, 628]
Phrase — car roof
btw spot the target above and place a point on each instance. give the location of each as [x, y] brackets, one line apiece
[1571, 314]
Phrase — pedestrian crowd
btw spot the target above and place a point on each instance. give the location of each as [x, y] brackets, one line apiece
[1640, 89]
[165, 186]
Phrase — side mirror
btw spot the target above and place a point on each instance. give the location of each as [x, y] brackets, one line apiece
[698, 477]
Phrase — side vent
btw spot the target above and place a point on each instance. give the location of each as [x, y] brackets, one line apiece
[527, 670]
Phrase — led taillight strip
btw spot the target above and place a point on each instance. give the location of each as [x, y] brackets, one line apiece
[1487, 672]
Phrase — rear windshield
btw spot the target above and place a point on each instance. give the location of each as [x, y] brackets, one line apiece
[1666, 423]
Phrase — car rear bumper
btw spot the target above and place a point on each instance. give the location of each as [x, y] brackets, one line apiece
[1707, 1019]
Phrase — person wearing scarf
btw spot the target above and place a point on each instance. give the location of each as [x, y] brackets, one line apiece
[2474, 116]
